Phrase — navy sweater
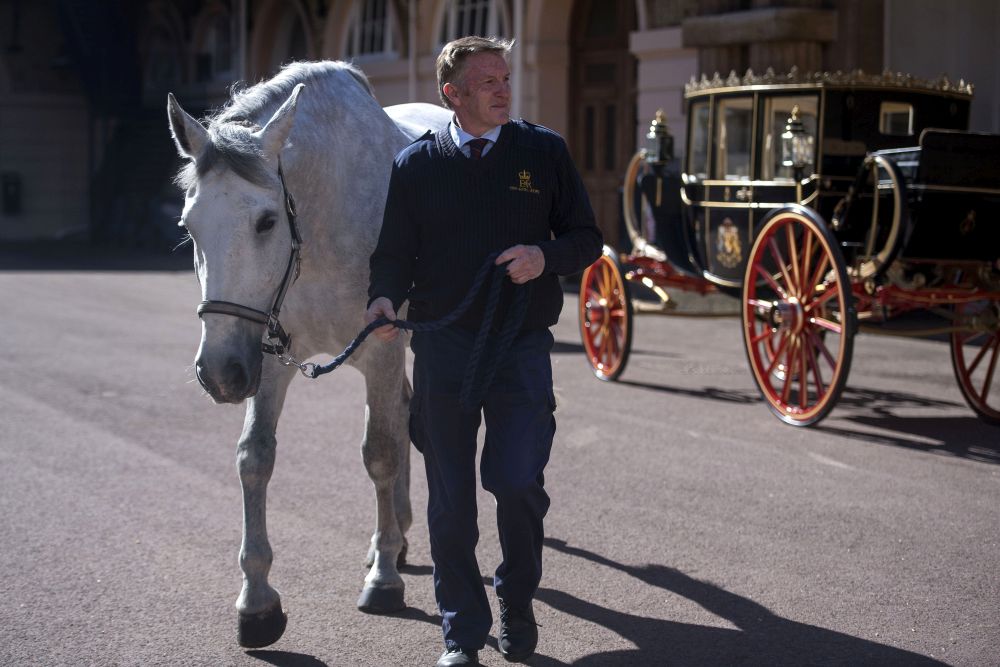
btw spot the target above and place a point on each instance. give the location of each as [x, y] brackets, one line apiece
[445, 213]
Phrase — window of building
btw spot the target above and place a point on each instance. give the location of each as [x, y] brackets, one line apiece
[291, 41]
[163, 64]
[473, 17]
[214, 59]
[372, 30]
[298, 45]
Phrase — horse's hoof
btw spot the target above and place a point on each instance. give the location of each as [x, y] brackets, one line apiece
[260, 630]
[381, 600]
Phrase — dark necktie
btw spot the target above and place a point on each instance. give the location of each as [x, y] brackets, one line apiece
[476, 147]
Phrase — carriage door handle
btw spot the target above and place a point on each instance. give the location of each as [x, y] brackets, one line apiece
[743, 194]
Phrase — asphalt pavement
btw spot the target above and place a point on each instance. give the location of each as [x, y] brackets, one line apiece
[688, 526]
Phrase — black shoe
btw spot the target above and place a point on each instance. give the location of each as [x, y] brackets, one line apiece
[518, 632]
[458, 656]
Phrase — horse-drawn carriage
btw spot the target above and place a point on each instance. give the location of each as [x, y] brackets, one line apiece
[827, 204]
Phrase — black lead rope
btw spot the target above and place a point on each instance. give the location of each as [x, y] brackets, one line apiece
[477, 379]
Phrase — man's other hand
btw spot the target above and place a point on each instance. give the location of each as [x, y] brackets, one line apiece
[382, 307]
[526, 262]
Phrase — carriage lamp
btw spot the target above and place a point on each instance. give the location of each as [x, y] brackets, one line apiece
[796, 145]
[659, 141]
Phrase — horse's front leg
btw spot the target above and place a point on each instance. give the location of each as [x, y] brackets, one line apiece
[385, 450]
[261, 619]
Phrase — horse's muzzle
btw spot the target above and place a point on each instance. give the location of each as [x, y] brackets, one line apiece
[232, 381]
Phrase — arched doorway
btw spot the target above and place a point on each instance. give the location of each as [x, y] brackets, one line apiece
[602, 103]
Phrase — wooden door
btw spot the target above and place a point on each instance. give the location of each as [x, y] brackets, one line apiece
[602, 106]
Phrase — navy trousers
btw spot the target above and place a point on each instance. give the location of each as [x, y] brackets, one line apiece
[518, 409]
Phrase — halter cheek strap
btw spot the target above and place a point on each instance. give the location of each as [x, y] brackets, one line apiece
[276, 339]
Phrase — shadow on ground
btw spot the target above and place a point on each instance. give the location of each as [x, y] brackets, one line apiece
[762, 637]
[875, 414]
[287, 659]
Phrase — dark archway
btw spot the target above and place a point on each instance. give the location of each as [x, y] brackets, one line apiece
[602, 103]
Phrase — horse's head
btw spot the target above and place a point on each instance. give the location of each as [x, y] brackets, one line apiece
[235, 214]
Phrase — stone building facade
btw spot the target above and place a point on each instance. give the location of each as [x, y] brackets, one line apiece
[85, 147]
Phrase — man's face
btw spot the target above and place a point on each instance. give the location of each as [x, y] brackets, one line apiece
[481, 97]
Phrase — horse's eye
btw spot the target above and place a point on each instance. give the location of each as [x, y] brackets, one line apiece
[266, 224]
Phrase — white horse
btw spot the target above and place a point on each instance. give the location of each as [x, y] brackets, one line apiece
[315, 132]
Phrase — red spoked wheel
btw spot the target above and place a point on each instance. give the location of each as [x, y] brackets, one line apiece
[975, 355]
[798, 316]
[605, 316]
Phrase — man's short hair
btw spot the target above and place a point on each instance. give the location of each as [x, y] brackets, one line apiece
[451, 60]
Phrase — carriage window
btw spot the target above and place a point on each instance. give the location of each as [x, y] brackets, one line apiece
[896, 119]
[776, 112]
[698, 148]
[733, 137]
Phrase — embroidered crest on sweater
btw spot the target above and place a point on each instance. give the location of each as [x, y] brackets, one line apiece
[524, 183]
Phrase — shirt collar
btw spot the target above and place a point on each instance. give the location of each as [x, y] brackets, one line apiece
[461, 137]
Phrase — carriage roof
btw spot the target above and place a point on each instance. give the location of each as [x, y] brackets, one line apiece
[854, 80]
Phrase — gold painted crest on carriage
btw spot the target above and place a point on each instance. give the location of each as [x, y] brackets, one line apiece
[728, 246]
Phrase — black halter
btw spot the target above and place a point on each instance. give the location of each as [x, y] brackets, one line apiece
[276, 340]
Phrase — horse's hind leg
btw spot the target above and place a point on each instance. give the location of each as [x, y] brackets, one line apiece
[386, 456]
[261, 619]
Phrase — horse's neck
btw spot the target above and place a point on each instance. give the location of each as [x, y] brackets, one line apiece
[337, 168]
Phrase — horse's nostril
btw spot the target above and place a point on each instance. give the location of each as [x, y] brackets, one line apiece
[199, 372]
[236, 376]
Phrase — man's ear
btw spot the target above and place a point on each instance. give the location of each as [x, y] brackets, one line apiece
[451, 91]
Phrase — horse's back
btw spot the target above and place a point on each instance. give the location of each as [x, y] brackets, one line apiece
[415, 118]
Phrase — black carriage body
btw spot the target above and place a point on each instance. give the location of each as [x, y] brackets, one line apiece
[952, 181]
[734, 177]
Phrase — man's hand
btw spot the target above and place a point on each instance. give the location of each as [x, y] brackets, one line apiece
[528, 263]
[382, 307]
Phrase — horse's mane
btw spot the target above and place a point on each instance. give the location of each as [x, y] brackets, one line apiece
[230, 127]
[248, 103]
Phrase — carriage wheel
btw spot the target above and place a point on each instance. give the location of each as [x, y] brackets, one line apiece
[798, 316]
[975, 356]
[605, 316]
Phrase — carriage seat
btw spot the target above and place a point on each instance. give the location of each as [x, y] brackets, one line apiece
[959, 159]
[955, 206]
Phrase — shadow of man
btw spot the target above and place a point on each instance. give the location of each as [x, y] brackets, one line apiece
[762, 638]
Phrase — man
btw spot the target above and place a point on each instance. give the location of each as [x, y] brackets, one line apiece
[482, 185]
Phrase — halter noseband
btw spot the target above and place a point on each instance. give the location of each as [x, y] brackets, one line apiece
[276, 339]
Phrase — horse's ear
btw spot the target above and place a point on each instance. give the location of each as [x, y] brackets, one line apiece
[189, 135]
[275, 133]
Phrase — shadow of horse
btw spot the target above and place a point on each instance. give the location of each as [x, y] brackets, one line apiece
[287, 659]
[762, 637]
